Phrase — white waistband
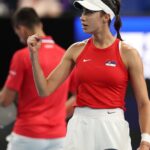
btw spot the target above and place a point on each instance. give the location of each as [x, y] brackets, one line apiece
[90, 112]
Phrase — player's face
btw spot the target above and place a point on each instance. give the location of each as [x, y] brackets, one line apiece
[92, 21]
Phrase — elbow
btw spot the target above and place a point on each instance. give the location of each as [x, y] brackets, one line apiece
[144, 105]
[44, 93]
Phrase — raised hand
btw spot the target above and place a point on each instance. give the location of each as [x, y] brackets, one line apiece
[34, 43]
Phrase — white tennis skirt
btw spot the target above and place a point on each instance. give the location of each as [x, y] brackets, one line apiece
[98, 129]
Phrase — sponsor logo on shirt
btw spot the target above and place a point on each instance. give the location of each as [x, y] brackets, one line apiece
[111, 63]
[87, 60]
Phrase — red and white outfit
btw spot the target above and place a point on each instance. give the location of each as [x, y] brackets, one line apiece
[98, 122]
[39, 118]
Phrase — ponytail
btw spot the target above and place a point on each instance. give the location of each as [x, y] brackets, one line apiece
[117, 25]
[114, 5]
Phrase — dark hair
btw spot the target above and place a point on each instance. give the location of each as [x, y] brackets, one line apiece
[114, 5]
[26, 16]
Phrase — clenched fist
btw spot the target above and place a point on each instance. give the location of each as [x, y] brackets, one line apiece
[34, 43]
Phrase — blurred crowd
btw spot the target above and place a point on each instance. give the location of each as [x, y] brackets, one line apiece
[44, 8]
[57, 8]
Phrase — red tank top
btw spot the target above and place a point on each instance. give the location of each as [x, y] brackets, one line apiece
[102, 77]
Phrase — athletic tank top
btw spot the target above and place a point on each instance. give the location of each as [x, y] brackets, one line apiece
[102, 77]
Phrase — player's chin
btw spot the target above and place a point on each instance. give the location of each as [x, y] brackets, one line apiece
[86, 31]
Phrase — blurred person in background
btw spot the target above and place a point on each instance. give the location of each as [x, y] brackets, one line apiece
[41, 121]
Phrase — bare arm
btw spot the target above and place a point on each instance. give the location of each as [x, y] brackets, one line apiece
[46, 86]
[135, 68]
[7, 96]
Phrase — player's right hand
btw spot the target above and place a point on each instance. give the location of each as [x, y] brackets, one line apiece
[34, 43]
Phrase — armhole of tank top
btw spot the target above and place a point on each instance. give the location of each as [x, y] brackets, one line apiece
[120, 58]
[83, 51]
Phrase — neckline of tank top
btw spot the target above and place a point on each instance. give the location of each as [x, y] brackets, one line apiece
[103, 49]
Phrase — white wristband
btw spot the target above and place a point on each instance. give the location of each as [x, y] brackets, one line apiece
[145, 137]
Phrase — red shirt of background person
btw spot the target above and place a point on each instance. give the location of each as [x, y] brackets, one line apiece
[32, 109]
[37, 117]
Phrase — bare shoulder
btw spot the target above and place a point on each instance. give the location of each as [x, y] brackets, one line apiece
[75, 49]
[127, 49]
[78, 45]
[130, 54]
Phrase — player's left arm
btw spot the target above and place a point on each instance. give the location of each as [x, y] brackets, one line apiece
[135, 69]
